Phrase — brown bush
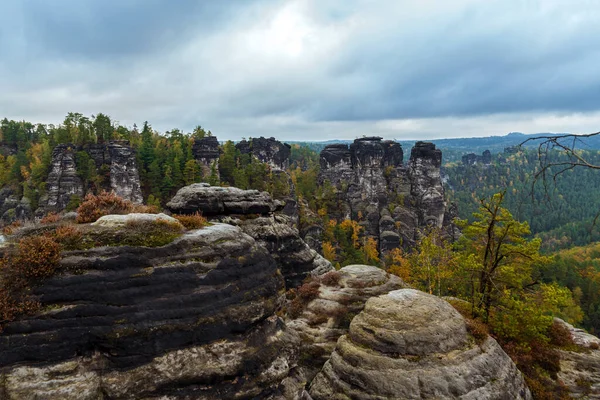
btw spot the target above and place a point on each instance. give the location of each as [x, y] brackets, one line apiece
[94, 207]
[477, 329]
[331, 278]
[304, 295]
[594, 346]
[192, 221]
[559, 335]
[68, 236]
[50, 218]
[146, 209]
[36, 258]
[10, 229]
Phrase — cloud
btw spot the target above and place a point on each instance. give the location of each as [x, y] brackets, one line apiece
[328, 68]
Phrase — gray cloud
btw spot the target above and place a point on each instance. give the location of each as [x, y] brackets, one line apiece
[305, 67]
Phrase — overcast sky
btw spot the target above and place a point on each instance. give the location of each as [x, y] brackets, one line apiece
[307, 69]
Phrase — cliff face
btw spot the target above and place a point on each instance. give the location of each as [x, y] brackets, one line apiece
[392, 200]
[63, 181]
[192, 319]
[115, 159]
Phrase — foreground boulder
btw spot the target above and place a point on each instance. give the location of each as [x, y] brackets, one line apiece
[193, 319]
[341, 296]
[411, 345]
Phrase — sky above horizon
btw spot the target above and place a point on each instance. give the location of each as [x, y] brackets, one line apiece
[307, 69]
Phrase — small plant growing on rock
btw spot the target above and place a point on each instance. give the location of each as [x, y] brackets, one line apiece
[304, 295]
[192, 221]
[94, 207]
[331, 278]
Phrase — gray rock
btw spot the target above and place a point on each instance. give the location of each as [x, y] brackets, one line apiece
[411, 345]
[328, 317]
[116, 221]
[193, 319]
[216, 200]
[580, 370]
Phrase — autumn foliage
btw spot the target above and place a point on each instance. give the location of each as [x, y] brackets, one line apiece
[105, 203]
[192, 221]
[36, 258]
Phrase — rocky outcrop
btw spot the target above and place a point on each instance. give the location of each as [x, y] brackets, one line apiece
[216, 200]
[342, 295]
[411, 345]
[393, 201]
[206, 152]
[253, 212]
[580, 370]
[63, 181]
[193, 319]
[473, 159]
[115, 161]
[269, 151]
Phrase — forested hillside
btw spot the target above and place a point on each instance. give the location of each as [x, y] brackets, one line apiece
[561, 211]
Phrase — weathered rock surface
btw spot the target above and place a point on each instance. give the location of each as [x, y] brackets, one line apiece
[391, 200]
[63, 181]
[116, 159]
[580, 371]
[216, 200]
[342, 295]
[116, 221]
[192, 319]
[411, 345]
[252, 211]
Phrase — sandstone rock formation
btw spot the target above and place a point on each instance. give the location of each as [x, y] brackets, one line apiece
[116, 158]
[253, 212]
[270, 151]
[192, 319]
[342, 295]
[63, 181]
[411, 345]
[391, 200]
[206, 152]
[216, 200]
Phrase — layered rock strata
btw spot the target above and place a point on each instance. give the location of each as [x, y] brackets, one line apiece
[115, 159]
[342, 295]
[393, 201]
[192, 319]
[253, 212]
[411, 345]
